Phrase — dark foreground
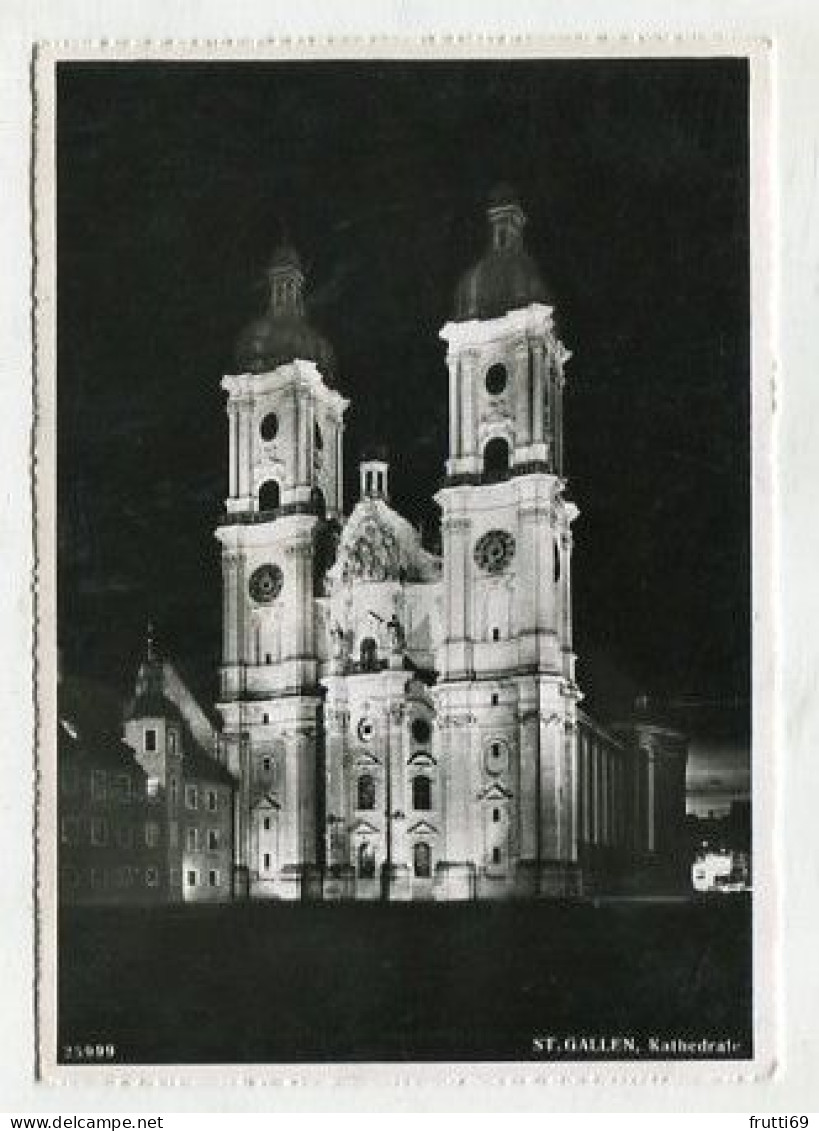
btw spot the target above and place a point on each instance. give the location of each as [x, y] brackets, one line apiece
[284, 983]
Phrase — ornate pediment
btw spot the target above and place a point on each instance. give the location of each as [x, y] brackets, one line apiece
[377, 544]
[422, 828]
[495, 792]
[267, 801]
[363, 758]
[422, 758]
[364, 828]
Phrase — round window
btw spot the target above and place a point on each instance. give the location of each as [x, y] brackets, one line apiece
[269, 427]
[496, 379]
[421, 730]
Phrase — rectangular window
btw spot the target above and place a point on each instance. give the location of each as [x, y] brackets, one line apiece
[496, 815]
[125, 836]
[267, 824]
[495, 699]
[173, 834]
[124, 787]
[213, 878]
[97, 877]
[266, 764]
[213, 840]
[68, 830]
[191, 878]
[213, 800]
[191, 796]
[149, 743]
[171, 741]
[151, 834]
[151, 877]
[99, 831]
[266, 862]
[193, 839]
[152, 787]
[496, 856]
[174, 791]
[98, 785]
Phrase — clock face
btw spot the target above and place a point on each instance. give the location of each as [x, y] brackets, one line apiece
[265, 584]
[494, 551]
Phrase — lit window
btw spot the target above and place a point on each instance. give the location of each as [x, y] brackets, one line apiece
[149, 744]
[422, 860]
[366, 861]
[213, 800]
[151, 877]
[213, 840]
[213, 878]
[191, 796]
[152, 787]
[151, 834]
[366, 792]
[191, 878]
[193, 839]
[421, 792]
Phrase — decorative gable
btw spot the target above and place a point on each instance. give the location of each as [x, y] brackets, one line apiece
[495, 792]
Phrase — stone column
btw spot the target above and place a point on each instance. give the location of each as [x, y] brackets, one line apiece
[454, 430]
[523, 394]
[539, 390]
[233, 443]
[339, 469]
[468, 377]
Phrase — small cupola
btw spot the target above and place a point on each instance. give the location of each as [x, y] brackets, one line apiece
[374, 474]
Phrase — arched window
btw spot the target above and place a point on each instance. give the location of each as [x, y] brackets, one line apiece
[422, 860]
[496, 460]
[421, 792]
[269, 496]
[369, 654]
[366, 861]
[366, 792]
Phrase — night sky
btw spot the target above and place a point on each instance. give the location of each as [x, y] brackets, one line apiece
[175, 183]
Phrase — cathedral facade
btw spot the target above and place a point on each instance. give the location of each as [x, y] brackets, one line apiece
[404, 724]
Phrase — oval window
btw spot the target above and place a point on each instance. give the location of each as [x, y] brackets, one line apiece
[496, 379]
[269, 427]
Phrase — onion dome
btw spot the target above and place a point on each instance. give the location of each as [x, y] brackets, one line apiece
[283, 333]
[506, 277]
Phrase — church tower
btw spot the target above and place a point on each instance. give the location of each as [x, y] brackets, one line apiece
[506, 697]
[285, 424]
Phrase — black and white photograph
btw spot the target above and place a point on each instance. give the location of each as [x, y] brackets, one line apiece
[403, 481]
